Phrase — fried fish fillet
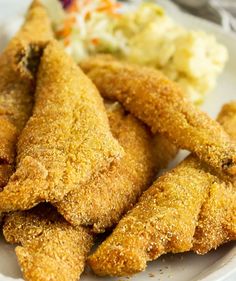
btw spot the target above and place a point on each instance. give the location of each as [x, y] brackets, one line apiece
[16, 92]
[66, 140]
[51, 249]
[187, 208]
[102, 201]
[160, 103]
[164, 220]
[217, 220]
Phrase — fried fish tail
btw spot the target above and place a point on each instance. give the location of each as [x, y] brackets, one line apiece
[51, 249]
[66, 140]
[16, 91]
[164, 220]
[37, 25]
[160, 103]
[217, 220]
[101, 202]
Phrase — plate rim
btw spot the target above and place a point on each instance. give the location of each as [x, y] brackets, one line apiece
[227, 268]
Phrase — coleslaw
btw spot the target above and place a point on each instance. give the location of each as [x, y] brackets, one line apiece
[145, 35]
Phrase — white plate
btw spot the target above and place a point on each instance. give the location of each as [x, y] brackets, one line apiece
[216, 266]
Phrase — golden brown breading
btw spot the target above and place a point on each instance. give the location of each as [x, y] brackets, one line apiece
[65, 141]
[37, 25]
[16, 92]
[227, 118]
[160, 103]
[187, 208]
[8, 136]
[103, 200]
[51, 249]
[217, 220]
[164, 220]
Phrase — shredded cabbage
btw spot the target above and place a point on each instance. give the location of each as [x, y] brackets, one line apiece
[145, 36]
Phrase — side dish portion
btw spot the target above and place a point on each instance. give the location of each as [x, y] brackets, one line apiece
[144, 34]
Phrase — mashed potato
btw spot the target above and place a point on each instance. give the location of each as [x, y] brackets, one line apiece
[146, 36]
[194, 59]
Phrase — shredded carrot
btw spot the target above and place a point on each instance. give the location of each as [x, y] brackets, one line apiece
[109, 7]
[62, 33]
[95, 41]
[102, 6]
[66, 30]
[73, 7]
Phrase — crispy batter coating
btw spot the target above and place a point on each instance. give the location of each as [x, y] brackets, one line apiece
[51, 249]
[227, 118]
[164, 220]
[16, 92]
[65, 141]
[217, 220]
[160, 103]
[7, 150]
[187, 208]
[103, 200]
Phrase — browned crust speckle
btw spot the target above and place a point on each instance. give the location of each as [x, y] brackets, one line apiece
[164, 220]
[51, 249]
